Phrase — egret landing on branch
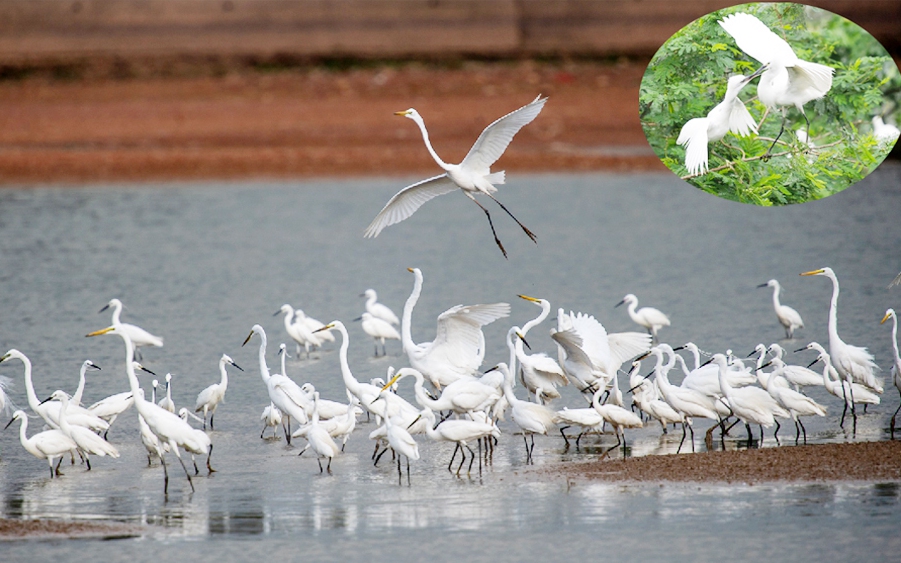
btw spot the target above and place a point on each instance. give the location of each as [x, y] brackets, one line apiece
[472, 175]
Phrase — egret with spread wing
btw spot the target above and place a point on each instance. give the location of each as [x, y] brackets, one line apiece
[472, 175]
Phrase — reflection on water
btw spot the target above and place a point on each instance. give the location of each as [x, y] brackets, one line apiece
[201, 264]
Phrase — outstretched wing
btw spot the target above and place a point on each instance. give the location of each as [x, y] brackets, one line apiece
[693, 137]
[757, 40]
[459, 339]
[740, 121]
[494, 140]
[407, 201]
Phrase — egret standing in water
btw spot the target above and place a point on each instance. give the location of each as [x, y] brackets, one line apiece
[648, 317]
[788, 317]
[896, 361]
[730, 115]
[139, 337]
[472, 175]
[376, 309]
[209, 398]
[786, 80]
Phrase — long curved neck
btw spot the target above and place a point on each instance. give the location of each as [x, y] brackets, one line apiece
[370, 301]
[349, 380]
[23, 432]
[833, 313]
[29, 386]
[63, 419]
[76, 398]
[511, 334]
[631, 309]
[421, 396]
[117, 310]
[724, 385]
[264, 369]
[289, 317]
[223, 374]
[545, 311]
[895, 336]
[428, 144]
[406, 329]
[776, 296]
[136, 391]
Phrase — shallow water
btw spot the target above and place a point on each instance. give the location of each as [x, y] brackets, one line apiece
[201, 263]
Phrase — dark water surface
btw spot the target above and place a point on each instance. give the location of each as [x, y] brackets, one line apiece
[199, 264]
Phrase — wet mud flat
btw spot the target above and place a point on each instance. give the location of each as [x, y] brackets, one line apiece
[863, 461]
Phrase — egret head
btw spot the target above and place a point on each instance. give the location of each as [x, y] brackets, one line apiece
[771, 283]
[369, 294]
[821, 272]
[889, 314]
[629, 299]
[256, 329]
[409, 113]
[288, 309]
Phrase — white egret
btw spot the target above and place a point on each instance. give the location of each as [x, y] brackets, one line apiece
[650, 318]
[109, 408]
[749, 408]
[75, 399]
[50, 411]
[730, 115]
[5, 402]
[379, 310]
[459, 345]
[338, 427]
[472, 175]
[400, 439]
[271, 418]
[788, 317]
[786, 80]
[166, 425]
[380, 330]
[314, 325]
[319, 439]
[896, 362]
[283, 392]
[150, 440]
[49, 444]
[587, 419]
[619, 418]
[299, 332]
[853, 363]
[531, 418]
[167, 402]
[209, 398]
[885, 133]
[463, 396]
[538, 370]
[327, 408]
[647, 397]
[799, 376]
[88, 442]
[849, 393]
[138, 335]
[460, 431]
[796, 403]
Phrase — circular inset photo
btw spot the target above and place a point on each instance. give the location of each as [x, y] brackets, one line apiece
[771, 103]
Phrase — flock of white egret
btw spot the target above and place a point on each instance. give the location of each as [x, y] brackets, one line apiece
[454, 401]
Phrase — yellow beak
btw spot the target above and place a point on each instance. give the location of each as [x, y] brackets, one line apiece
[102, 331]
[813, 272]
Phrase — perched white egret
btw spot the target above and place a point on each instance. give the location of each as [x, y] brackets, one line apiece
[885, 133]
[166, 425]
[167, 402]
[75, 399]
[853, 363]
[459, 345]
[538, 370]
[283, 392]
[88, 442]
[209, 398]
[271, 418]
[730, 115]
[788, 317]
[380, 330]
[896, 362]
[648, 317]
[378, 310]
[786, 80]
[138, 335]
[472, 175]
[49, 411]
[49, 444]
[299, 332]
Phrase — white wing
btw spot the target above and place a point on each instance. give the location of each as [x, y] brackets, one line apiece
[494, 140]
[626, 345]
[407, 201]
[594, 340]
[757, 40]
[459, 340]
[571, 343]
[693, 137]
[810, 81]
[740, 121]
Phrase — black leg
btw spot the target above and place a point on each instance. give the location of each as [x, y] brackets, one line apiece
[209, 454]
[527, 231]
[188, 475]
[490, 223]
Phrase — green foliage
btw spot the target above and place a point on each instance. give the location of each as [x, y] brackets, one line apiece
[688, 77]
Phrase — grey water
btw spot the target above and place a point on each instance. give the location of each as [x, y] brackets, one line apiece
[201, 263]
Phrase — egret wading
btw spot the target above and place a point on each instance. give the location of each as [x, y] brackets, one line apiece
[472, 175]
[788, 317]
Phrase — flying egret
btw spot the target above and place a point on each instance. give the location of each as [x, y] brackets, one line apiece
[730, 115]
[49, 444]
[538, 370]
[75, 399]
[853, 363]
[88, 442]
[885, 133]
[472, 175]
[49, 411]
[166, 425]
[459, 345]
[788, 317]
[648, 317]
[786, 80]
[379, 329]
[896, 362]
[167, 402]
[379, 310]
[209, 398]
[283, 392]
[138, 335]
